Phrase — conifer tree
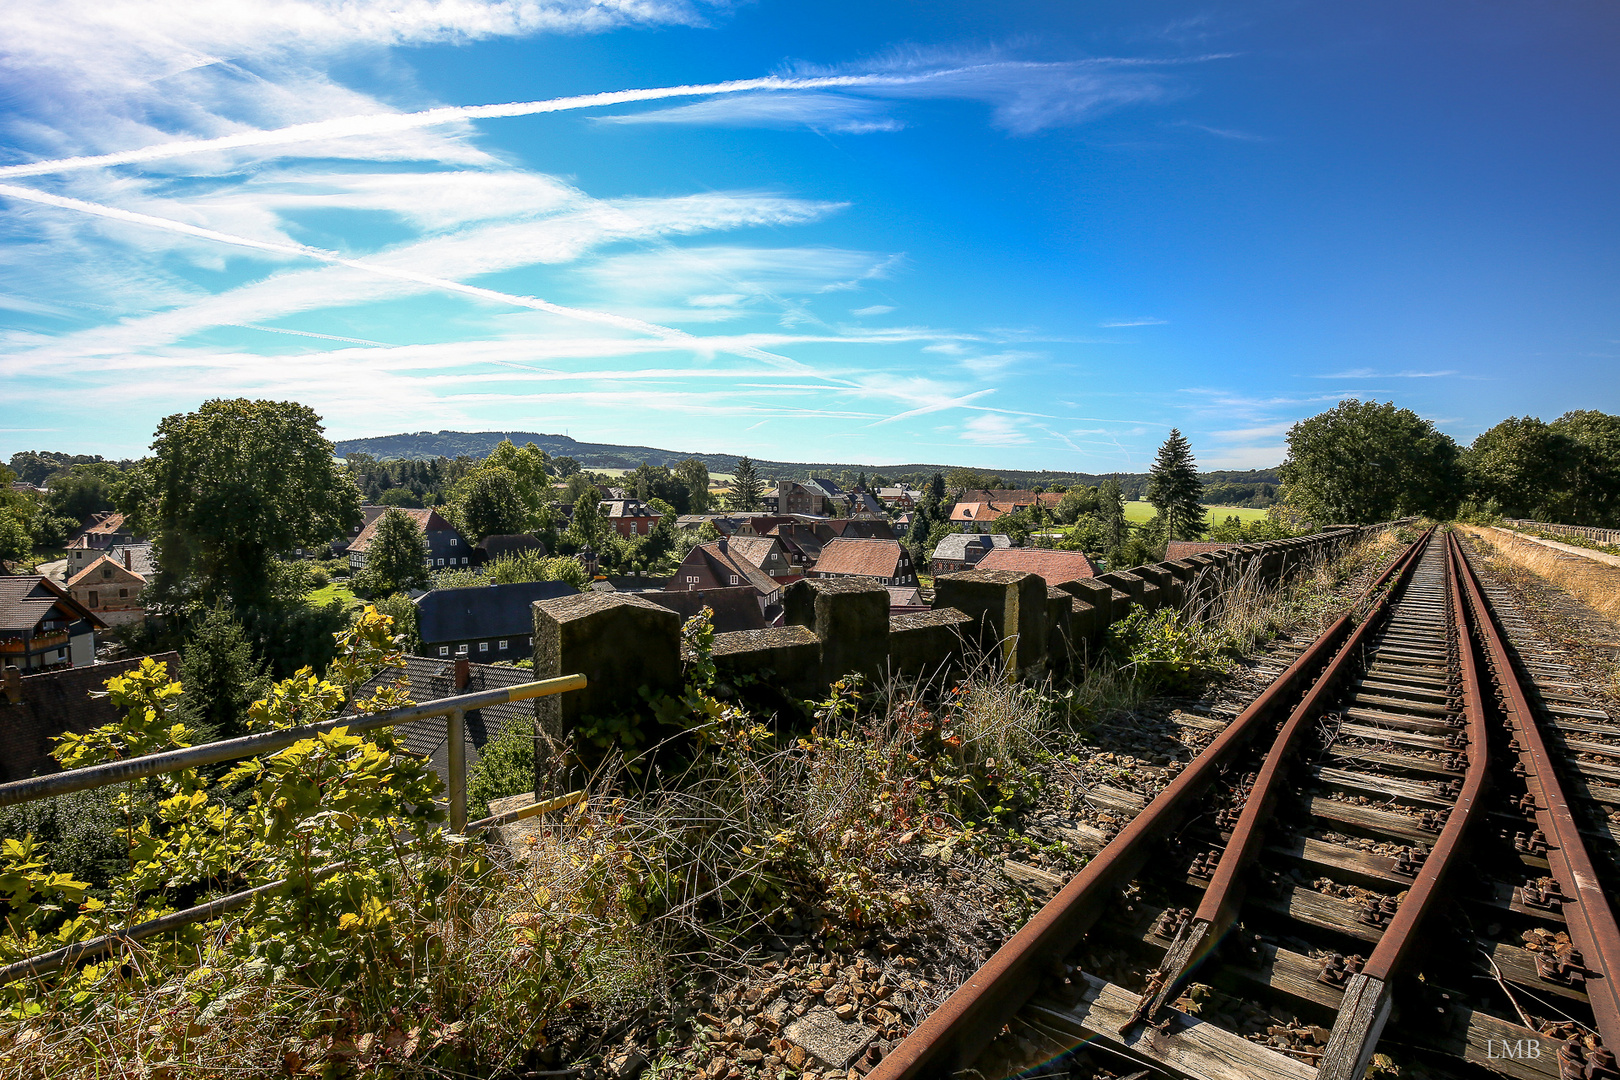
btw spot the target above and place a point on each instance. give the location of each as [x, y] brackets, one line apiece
[746, 487]
[220, 677]
[1174, 489]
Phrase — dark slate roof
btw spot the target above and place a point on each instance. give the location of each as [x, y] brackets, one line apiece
[55, 702]
[430, 679]
[954, 546]
[25, 599]
[734, 608]
[483, 611]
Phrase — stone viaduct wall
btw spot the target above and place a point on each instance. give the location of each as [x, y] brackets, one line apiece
[836, 626]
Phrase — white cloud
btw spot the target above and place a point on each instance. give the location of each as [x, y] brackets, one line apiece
[1133, 322]
[993, 429]
[819, 111]
[1369, 373]
[874, 309]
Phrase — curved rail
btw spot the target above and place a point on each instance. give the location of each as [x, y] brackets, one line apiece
[953, 1035]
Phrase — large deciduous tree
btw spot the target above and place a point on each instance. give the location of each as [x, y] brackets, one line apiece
[1523, 467]
[746, 487]
[231, 486]
[490, 502]
[1175, 490]
[1363, 462]
[1594, 486]
[397, 559]
[695, 475]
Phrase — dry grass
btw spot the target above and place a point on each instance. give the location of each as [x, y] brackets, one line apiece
[1594, 583]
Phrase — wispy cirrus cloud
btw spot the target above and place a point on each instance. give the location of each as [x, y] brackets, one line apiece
[1371, 373]
[1116, 323]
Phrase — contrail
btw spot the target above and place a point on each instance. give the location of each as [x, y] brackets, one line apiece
[304, 251]
[385, 123]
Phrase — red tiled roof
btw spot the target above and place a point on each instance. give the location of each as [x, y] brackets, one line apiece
[864, 558]
[1055, 567]
[725, 563]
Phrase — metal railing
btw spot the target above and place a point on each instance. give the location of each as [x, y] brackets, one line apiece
[453, 709]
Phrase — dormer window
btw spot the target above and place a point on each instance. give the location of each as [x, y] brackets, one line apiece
[452, 541]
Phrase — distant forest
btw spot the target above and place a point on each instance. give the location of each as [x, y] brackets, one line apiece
[1256, 487]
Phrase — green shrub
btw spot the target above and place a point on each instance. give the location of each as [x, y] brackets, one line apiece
[1170, 653]
[505, 767]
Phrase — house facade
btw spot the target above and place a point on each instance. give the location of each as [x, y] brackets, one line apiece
[631, 517]
[482, 623]
[111, 590]
[726, 564]
[446, 546]
[884, 561]
[962, 551]
[42, 627]
[817, 497]
[104, 532]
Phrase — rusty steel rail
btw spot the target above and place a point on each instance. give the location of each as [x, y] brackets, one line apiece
[1589, 918]
[954, 1034]
[1224, 895]
[1367, 995]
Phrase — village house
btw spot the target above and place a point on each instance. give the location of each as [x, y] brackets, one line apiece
[729, 562]
[817, 497]
[962, 551]
[504, 545]
[482, 622]
[42, 627]
[1054, 567]
[882, 560]
[901, 496]
[446, 546]
[104, 532]
[734, 609]
[630, 517]
[862, 503]
[111, 589]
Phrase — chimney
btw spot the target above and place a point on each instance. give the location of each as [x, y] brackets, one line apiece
[126, 559]
[12, 681]
[463, 674]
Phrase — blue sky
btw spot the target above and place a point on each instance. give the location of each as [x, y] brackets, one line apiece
[1014, 235]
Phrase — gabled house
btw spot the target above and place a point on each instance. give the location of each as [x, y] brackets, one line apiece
[962, 551]
[110, 589]
[482, 622]
[446, 546]
[42, 627]
[631, 517]
[885, 561]
[972, 515]
[1054, 567]
[104, 532]
[720, 565]
[906, 498]
[818, 497]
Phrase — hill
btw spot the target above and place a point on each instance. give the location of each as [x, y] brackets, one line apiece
[426, 445]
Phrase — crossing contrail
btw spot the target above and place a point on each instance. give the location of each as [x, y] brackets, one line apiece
[387, 123]
[667, 333]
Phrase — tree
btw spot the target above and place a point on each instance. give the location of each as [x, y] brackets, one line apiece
[1174, 489]
[1111, 513]
[1076, 501]
[399, 496]
[530, 468]
[1594, 486]
[220, 677]
[695, 475]
[588, 524]
[231, 486]
[1361, 462]
[1524, 467]
[16, 543]
[488, 502]
[83, 490]
[398, 606]
[565, 466]
[960, 480]
[746, 487]
[398, 556]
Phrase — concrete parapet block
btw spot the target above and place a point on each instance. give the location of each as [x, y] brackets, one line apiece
[618, 641]
[1112, 604]
[849, 617]
[1133, 585]
[1159, 577]
[1009, 612]
[1086, 625]
[1059, 642]
[926, 644]
[789, 656]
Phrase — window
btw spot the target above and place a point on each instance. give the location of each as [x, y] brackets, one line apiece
[106, 572]
[123, 594]
[441, 562]
[452, 541]
[444, 650]
[503, 646]
[95, 598]
[461, 650]
[483, 646]
[734, 579]
[464, 560]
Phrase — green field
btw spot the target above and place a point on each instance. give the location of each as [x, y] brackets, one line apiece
[337, 590]
[1140, 511]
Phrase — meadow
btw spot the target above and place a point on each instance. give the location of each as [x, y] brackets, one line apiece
[1139, 511]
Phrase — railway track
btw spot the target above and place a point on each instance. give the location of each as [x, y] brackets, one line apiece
[1404, 847]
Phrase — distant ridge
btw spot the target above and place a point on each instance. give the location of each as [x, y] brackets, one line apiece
[425, 445]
